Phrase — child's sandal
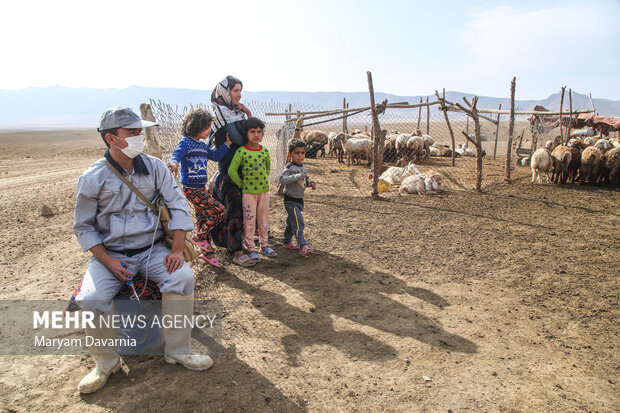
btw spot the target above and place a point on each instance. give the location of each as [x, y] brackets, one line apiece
[290, 245]
[211, 260]
[268, 252]
[203, 245]
[305, 250]
[244, 261]
[254, 257]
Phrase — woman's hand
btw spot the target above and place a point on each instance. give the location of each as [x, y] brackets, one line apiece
[244, 109]
[228, 141]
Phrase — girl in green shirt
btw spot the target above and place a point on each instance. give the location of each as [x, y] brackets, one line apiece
[255, 164]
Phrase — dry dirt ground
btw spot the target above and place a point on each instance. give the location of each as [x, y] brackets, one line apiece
[507, 300]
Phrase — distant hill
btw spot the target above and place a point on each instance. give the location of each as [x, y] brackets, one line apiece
[60, 107]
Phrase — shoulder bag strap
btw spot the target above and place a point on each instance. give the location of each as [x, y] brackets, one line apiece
[131, 186]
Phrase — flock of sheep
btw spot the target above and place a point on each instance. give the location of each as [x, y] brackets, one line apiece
[404, 147]
[587, 159]
[401, 148]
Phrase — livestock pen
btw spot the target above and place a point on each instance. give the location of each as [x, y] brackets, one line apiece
[459, 174]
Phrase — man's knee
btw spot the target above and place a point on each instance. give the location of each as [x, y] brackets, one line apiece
[181, 281]
[99, 287]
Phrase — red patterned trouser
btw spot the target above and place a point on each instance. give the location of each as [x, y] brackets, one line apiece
[209, 212]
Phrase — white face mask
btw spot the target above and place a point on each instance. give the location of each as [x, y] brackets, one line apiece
[135, 146]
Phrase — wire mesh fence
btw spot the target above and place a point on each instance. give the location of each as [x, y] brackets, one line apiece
[459, 172]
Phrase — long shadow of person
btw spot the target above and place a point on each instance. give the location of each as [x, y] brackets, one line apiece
[311, 328]
[339, 287]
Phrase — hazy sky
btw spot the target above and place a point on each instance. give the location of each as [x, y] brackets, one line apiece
[411, 47]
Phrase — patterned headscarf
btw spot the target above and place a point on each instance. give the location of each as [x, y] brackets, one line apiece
[221, 93]
[223, 108]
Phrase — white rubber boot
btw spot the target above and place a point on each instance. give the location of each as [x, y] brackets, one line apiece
[178, 341]
[107, 360]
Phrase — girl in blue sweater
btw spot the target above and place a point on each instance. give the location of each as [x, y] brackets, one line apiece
[192, 155]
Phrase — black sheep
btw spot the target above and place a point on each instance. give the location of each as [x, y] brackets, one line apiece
[313, 148]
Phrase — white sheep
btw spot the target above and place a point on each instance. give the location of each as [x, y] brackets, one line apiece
[395, 175]
[390, 142]
[434, 151]
[338, 144]
[428, 142]
[427, 184]
[330, 143]
[588, 141]
[603, 145]
[541, 163]
[463, 150]
[354, 146]
[415, 148]
[401, 144]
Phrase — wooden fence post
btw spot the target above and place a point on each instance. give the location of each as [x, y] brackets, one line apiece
[153, 147]
[511, 127]
[419, 114]
[570, 118]
[534, 142]
[561, 117]
[378, 137]
[344, 117]
[477, 140]
[428, 117]
[445, 115]
[496, 133]
[298, 126]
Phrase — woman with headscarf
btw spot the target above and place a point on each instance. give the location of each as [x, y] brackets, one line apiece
[229, 115]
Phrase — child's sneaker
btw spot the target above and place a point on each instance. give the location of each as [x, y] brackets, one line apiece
[290, 245]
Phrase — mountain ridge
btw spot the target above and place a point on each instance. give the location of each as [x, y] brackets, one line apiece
[59, 107]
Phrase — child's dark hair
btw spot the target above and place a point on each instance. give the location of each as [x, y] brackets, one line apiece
[252, 123]
[196, 121]
[296, 143]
